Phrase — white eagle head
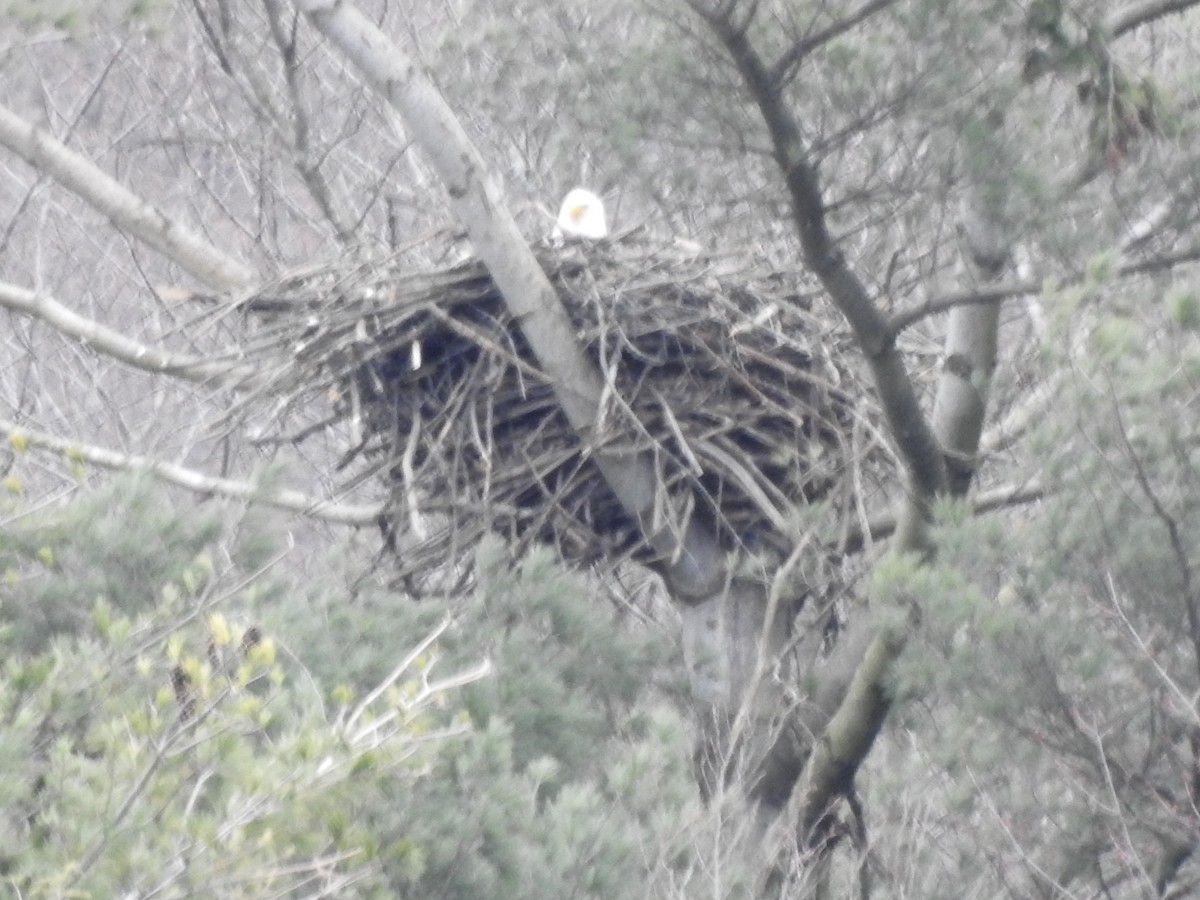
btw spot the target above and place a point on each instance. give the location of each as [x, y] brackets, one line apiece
[581, 216]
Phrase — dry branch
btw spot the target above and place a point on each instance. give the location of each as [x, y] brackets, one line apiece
[292, 501]
[122, 207]
[113, 343]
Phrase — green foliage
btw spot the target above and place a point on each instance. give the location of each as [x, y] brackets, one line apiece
[1101, 268]
[1114, 336]
[233, 731]
[152, 735]
[567, 675]
[120, 544]
[575, 776]
[1055, 648]
[1183, 307]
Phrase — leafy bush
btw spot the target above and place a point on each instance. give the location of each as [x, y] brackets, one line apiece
[177, 715]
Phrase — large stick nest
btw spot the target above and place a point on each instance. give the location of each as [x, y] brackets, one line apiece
[716, 367]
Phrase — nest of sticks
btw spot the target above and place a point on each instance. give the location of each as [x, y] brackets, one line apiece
[717, 368]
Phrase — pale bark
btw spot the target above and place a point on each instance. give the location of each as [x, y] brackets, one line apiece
[127, 211]
[280, 498]
[972, 332]
[963, 389]
[116, 345]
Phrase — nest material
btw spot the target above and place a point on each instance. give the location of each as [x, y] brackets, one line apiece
[742, 396]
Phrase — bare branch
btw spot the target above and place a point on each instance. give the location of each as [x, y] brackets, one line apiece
[209, 28]
[908, 425]
[112, 343]
[35, 186]
[998, 498]
[291, 125]
[292, 501]
[1160, 263]
[307, 163]
[1136, 16]
[125, 209]
[784, 68]
[1007, 291]
[971, 297]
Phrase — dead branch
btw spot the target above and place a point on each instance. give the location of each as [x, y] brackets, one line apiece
[1136, 16]
[122, 207]
[785, 67]
[189, 479]
[116, 345]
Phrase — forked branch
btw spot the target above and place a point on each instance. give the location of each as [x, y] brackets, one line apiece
[785, 67]
[909, 427]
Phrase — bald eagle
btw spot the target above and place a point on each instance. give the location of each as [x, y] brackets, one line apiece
[581, 216]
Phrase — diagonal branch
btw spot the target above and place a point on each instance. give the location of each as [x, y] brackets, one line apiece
[122, 207]
[906, 318]
[847, 737]
[784, 68]
[908, 425]
[1003, 497]
[189, 479]
[115, 344]
[858, 712]
[1136, 16]
[1160, 263]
